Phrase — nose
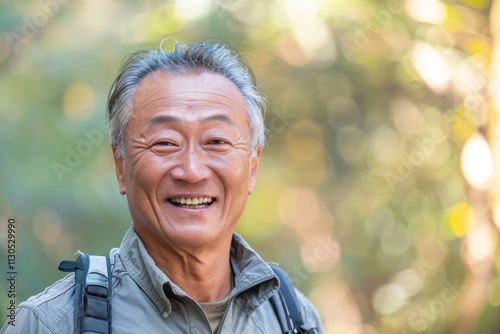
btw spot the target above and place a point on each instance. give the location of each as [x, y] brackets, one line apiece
[191, 166]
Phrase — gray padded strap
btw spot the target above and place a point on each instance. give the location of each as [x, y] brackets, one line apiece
[96, 317]
[97, 264]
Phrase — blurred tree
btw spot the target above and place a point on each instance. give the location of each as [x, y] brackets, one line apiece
[480, 247]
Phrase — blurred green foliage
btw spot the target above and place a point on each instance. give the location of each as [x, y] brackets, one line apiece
[360, 194]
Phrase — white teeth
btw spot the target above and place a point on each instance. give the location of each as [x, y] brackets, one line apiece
[192, 201]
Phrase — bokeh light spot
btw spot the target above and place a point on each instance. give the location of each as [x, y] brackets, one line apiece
[480, 244]
[78, 100]
[428, 11]
[410, 280]
[433, 67]
[461, 219]
[389, 298]
[477, 162]
[298, 208]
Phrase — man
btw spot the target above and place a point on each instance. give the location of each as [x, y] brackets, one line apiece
[187, 132]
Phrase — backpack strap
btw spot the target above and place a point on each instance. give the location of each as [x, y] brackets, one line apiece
[286, 306]
[92, 293]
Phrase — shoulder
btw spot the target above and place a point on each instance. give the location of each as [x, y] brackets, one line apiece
[53, 293]
[50, 311]
[309, 313]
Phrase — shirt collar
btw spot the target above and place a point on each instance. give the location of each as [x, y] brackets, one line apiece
[251, 274]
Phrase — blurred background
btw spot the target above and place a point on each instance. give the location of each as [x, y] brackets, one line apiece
[377, 190]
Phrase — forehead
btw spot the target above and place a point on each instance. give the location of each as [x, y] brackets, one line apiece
[162, 92]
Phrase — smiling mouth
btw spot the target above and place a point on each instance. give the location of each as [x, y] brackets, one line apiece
[192, 203]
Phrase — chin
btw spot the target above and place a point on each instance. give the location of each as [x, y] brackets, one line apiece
[195, 236]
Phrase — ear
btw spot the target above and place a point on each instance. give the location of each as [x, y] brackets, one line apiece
[254, 168]
[120, 170]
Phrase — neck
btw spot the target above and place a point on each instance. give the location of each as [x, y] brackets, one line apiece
[203, 274]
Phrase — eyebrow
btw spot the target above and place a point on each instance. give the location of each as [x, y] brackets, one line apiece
[218, 117]
[163, 119]
[160, 119]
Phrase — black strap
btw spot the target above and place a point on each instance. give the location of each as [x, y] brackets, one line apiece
[92, 293]
[286, 306]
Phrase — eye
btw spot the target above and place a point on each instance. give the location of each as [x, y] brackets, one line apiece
[218, 145]
[164, 147]
[164, 143]
[217, 142]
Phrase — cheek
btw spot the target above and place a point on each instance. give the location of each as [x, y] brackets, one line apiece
[147, 173]
[234, 175]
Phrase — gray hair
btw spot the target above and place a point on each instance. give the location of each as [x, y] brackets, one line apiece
[197, 57]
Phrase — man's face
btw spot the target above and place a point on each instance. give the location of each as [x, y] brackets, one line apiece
[189, 165]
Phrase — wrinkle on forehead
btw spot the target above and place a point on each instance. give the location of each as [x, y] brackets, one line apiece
[151, 91]
[163, 92]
